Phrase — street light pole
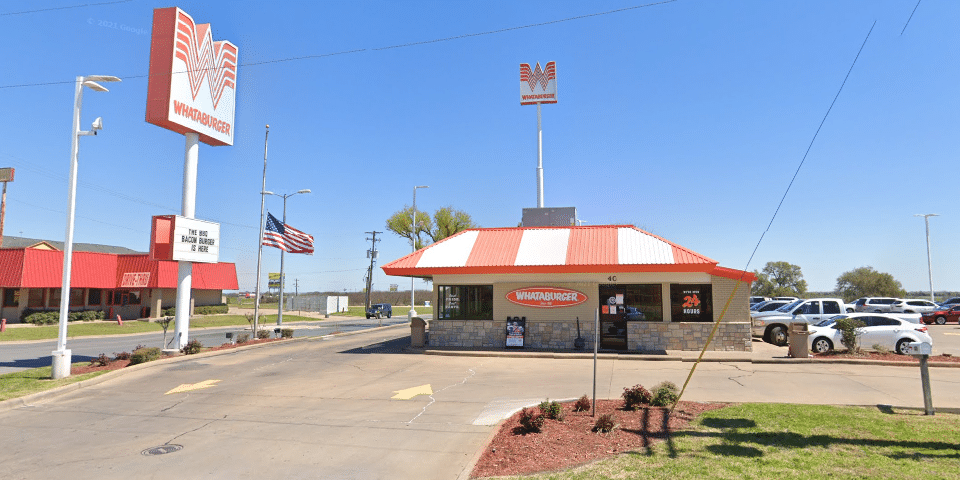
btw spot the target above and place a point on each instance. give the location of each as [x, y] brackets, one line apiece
[285, 197]
[926, 221]
[61, 357]
[413, 243]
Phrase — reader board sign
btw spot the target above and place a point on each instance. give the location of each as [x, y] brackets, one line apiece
[538, 85]
[184, 239]
[546, 297]
[6, 174]
[193, 79]
[135, 280]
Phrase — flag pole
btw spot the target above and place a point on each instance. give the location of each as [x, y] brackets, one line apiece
[263, 188]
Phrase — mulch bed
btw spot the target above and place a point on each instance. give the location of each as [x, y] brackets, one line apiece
[572, 442]
[888, 356]
[118, 364]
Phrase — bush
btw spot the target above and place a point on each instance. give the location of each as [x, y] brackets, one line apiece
[211, 309]
[50, 317]
[665, 394]
[552, 410]
[243, 337]
[582, 405]
[263, 333]
[531, 421]
[144, 355]
[121, 355]
[850, 329]
[635, 397]
[605, 423]
[286, 333]
[192, 347]
[102, 361]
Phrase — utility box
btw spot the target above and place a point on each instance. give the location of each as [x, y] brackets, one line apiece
[919, 348]
[798, 340]
[418, 332]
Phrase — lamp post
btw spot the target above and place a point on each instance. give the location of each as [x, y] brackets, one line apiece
[413, 243]
[285, 197]
[926, 221]
[61, 357]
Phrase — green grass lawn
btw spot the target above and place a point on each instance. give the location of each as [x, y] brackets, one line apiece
[774, 441]
[19, 384]
[84, 329]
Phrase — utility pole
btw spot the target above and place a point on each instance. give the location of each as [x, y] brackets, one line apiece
[372, 253]
[296, 293]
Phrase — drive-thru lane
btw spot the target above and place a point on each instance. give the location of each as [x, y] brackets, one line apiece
[320, 408]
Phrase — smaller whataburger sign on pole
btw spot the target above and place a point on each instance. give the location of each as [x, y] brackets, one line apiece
[538, 85]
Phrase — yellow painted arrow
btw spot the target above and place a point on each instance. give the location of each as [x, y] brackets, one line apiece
[408, 393]
[189, 387]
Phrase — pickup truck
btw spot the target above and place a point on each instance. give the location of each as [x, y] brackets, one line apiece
[773, 326]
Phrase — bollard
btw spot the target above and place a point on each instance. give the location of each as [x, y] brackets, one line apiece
[119, 322]
[3, 324]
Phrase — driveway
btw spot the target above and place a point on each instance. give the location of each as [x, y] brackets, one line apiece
[357, 407]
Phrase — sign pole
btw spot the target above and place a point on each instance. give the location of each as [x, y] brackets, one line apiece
[539, 160]
[263, 188]
[181, 332]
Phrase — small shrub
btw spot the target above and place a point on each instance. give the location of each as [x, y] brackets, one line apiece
[552, 410]
[605, 423]
[121, 356]
[582, 405]
[850, 330]
[144, 355]
[634, 397]
[102, 361]
[286, 333]
[665, 394]
[263, 333]
[880, 348]
[243, 337]
[531, 421]
[169, 312]
[211, 309]
[192, 347]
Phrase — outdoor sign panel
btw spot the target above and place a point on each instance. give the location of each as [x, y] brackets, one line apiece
[193, 79]
[135, 280]
[184, 239]
[546, 297]
[516, 327]
[273, 280]
[6, 174]
[538, 85]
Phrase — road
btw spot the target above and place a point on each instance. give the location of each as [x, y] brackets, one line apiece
[17, 356]
[358, 407]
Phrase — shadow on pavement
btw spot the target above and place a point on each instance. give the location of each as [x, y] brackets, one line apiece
[396, 345]
[42, 361]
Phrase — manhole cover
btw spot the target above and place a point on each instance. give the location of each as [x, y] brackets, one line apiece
[162, 449]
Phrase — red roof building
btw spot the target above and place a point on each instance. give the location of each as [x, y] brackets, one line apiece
[650, 294]
[129, 285]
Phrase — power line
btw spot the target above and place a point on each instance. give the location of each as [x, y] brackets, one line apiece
[359, 50]
[911, 17]
[64, 8]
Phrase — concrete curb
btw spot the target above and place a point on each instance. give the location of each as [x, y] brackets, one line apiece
[28, 400]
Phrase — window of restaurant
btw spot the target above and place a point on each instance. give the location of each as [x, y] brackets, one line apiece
[691, 302]
[123, 297]
[76, 297]
[35, 298]
[94, 296]
[53, 301]
[11, 297]
[622, 303]
[465, 302]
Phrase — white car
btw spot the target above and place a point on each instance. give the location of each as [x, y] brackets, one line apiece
[884, 330]
[910, 305]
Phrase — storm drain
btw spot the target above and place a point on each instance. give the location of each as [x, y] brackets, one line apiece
[162, 449]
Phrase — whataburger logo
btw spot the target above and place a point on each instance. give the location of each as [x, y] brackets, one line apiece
[546, 297]
[538, 85]
[196, 48]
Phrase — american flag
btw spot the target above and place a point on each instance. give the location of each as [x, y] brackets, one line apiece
[286, 238]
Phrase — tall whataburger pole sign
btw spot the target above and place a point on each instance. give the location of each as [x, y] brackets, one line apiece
[192, 91]
[538, 86]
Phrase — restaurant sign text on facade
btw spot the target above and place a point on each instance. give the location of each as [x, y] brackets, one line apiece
[546, 297]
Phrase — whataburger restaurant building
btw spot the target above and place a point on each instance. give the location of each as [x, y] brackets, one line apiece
[651, 294]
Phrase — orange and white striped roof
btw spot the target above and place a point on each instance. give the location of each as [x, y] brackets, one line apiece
[592, 249]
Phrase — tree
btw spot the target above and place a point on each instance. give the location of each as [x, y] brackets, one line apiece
[445, 222]
[867, 282]
[779, 279]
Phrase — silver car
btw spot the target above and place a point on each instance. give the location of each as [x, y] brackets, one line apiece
[874, 304]
[909, 305]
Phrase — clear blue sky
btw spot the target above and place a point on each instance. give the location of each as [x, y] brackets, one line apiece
[687, 119]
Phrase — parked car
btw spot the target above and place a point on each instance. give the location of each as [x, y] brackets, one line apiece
[941, 316]
[755, 300]
[772, 326]
[950, 302]
[908, 305]
[883, 330]
[874, 304]
[768, 306]
[380, 310]
[789, 299]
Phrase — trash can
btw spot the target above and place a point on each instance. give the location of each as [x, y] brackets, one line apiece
[418, 335]
[798, 340]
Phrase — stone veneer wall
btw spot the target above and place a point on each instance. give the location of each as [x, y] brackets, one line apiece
[646, 336]
[492, 334]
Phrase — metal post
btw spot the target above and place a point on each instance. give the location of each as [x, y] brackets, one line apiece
[539, 160]
[181, 332]
[925, 380]
[263, 188]
[280, 306]
[413, 242]
[3, 211]
[596, 342]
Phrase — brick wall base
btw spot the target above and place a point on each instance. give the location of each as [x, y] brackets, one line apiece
[652, 336]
